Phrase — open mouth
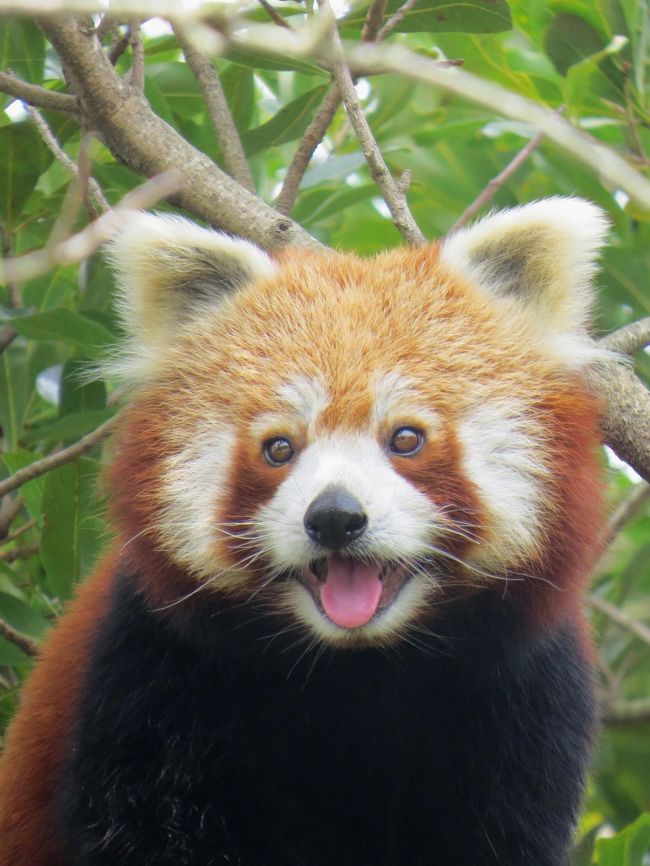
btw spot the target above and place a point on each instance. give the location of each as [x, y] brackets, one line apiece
[351, 592]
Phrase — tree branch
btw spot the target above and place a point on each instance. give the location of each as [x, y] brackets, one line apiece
[621, 712]
[396, 19]
[630, 338]
[19, 553]
[217, 105]
[9, 511]
[38, 96]
[68, 250]
[26, 644]
[497, 182]
[52, 461]
[627, 510]
[312, 137]
[148, 145]
[390, 190]
[48, 137]
[625, 419]
[634, 626]
[373, 22]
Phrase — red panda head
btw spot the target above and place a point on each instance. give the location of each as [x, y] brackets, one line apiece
[353, 441]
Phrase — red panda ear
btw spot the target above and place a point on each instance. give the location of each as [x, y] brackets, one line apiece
[170, 270]
[542, 256]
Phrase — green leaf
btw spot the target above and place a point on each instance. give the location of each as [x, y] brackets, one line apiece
[287, 125]
[444, 16]
[51, 289]
[22, 49]
[71, 427]
[21, 616]
[24, 157]
[14, 393]
[11, 655]
[239, 88]
[77, 394]
[178, 87]
[71, 537]
[628, 848]
[32, 491]
[72, 328]
[263, 60]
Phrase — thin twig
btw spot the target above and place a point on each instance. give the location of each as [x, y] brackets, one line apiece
[19, 553]
[389, 189]
[118, 48]
[374, 18]
[396, 19]
[59, 458]
[217, 104]
[274, 15]
[627, 510]
[630, 338]
[27, 645]
[634, 626]
[312, 137]
[9, 511]
[39, 96]
[20, 531]
[47, 135]
[136, 73]
[84, 243]
[497, 182]
[7, 336]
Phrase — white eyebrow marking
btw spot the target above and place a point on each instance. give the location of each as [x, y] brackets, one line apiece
[302, 400]
[396, 395]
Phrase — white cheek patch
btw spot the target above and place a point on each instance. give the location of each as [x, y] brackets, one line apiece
[503, 454]
[193, 484]
[401, 519]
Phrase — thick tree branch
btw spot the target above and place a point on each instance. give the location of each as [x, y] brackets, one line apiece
[9, 511]
[38, 96]
[26, 644]
[217, 105]
[389, 188]
[148, 145]
[629, 339]
[58, 458]
[625, 419]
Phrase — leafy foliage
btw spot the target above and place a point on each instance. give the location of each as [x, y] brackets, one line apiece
[590, 59]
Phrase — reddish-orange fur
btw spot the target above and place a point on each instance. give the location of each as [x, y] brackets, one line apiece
[38, 741]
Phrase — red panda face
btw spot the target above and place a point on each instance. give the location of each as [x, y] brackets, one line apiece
[353, 442]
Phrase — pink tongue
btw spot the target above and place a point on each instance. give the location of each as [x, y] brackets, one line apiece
[351, 592]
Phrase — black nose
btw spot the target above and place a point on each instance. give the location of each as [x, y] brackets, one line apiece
[335, 518]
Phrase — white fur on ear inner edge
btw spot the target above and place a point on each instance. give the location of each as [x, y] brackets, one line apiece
[549, 246]
[166, 265]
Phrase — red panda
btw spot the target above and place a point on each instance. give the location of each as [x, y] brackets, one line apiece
[356, 504]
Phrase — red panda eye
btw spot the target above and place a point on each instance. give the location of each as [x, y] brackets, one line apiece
[406, 441]
[278, 451]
